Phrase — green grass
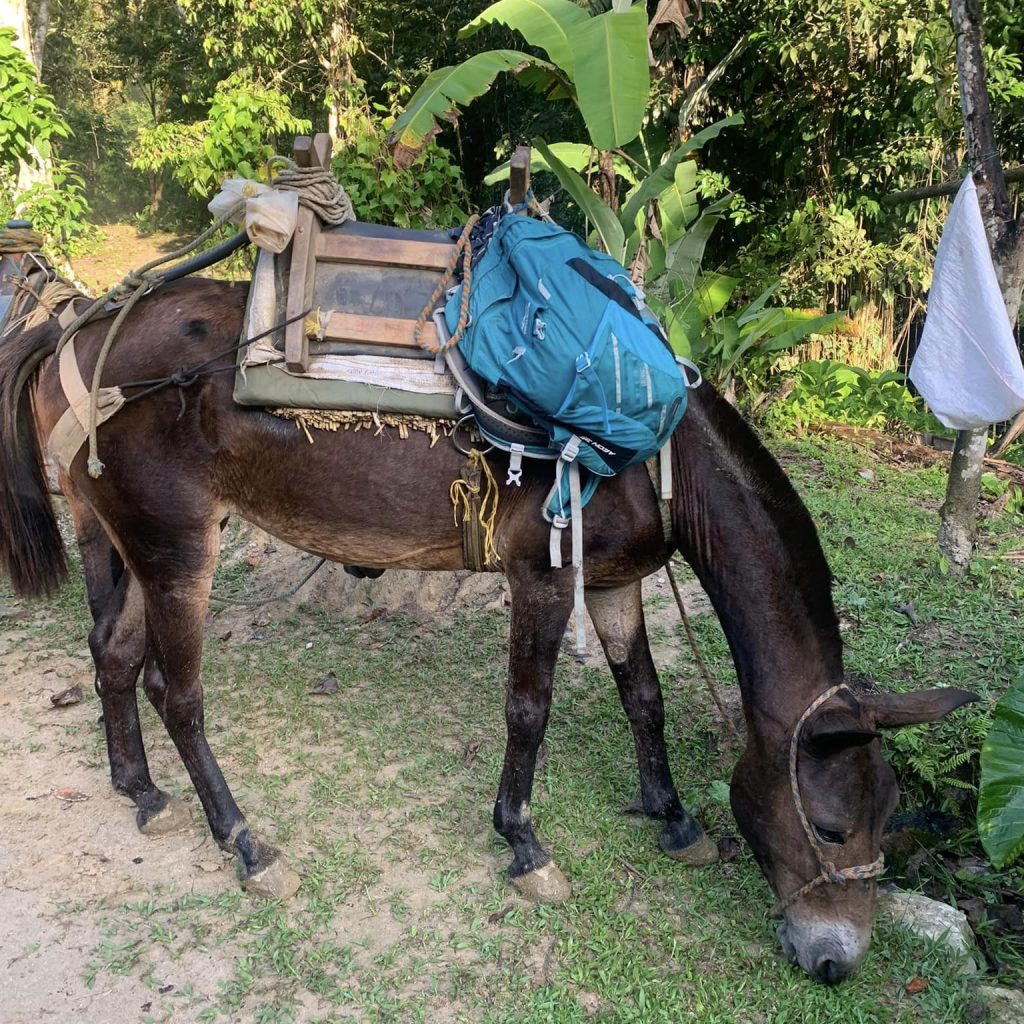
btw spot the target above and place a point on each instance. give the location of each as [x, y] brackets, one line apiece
[404, 913]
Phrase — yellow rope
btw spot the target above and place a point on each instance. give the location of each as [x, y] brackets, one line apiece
[462, 492]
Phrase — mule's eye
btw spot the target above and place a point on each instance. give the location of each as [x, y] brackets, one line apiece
[827, 835]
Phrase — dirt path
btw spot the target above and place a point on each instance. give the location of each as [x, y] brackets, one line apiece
[123, 248]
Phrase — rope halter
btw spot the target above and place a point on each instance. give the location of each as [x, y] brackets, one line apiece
[829, 872]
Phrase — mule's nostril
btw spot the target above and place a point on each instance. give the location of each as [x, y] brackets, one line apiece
[829, 972]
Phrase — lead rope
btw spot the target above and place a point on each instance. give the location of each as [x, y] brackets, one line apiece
[829, 871]
[705, 674]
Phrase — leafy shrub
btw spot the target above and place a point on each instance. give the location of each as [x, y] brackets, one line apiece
[57, 209]
[828, 391]
[428, 194]
[29, 122]
[1001, 798]
[245, 124]
[28, 116]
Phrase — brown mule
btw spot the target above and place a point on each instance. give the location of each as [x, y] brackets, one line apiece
[177, 463]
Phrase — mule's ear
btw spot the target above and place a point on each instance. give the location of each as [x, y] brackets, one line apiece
[891, 710]
[835, 729]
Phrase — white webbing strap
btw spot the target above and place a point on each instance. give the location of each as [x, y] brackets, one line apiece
[576, 511]
[558, 524]
[515, 464]
[558, 521]
[665, 470]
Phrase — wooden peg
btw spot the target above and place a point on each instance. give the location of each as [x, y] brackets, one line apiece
[519, 176]
[302, 150]
[321, 154]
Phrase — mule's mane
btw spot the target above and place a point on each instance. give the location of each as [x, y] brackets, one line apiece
[740, 454]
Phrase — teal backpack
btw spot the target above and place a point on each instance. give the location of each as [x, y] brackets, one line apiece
[564, 334]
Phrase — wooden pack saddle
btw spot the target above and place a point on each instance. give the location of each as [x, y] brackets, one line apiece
[352, 294]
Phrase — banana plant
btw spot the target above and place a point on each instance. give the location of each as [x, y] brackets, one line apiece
[1001, 796]
[599, 61]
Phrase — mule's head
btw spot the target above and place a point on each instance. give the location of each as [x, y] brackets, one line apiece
[847, 791]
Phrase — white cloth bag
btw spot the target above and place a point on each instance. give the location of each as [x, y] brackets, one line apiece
[967, 366]
[269, 215]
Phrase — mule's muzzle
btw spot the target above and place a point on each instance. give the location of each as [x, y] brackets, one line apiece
[830, 972]
[827, 953]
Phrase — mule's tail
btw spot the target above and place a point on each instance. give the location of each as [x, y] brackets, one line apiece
[31, 547]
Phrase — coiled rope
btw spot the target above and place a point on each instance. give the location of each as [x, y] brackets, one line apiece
[318, 190]
[53, 294]
[19, 240]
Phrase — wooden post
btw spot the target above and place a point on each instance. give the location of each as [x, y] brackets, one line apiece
[307, 152]
[519, 176]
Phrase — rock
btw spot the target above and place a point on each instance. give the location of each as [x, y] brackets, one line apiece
[1005, 1005]
[931, 920]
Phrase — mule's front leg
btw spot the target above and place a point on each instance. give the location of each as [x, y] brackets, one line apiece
[618, 617]
[540, 610]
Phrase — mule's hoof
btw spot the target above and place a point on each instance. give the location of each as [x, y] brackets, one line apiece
[545, 885]
[698, 854]
[276, 881]
[173, 817]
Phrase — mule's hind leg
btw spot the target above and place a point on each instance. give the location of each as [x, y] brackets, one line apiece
[118, 645]
[540, 611]
[618, 617]
[176, 583]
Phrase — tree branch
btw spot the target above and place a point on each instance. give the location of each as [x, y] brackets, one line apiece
[945, 188]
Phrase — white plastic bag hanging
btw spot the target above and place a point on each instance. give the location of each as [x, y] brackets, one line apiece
[269, 215]
[967, 366]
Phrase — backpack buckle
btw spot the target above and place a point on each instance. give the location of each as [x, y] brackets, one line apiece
[583, 362]
[515, 465]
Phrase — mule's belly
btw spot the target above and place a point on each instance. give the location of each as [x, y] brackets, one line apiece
[353, 541]
[351, 496]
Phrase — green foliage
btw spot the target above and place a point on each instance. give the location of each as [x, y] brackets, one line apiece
[428, 194]
[611, 74]
[29, 124]
[57, 209]
[829, 391]
[246, 125]
[1001, 796]
[547, 24]
[446, 89]
[28, 116]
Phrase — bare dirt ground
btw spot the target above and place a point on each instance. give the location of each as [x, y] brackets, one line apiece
[123, 248]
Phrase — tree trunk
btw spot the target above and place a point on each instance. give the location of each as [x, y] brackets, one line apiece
[40, 26]
[14, 14]
[959, 518]
[959, 515]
